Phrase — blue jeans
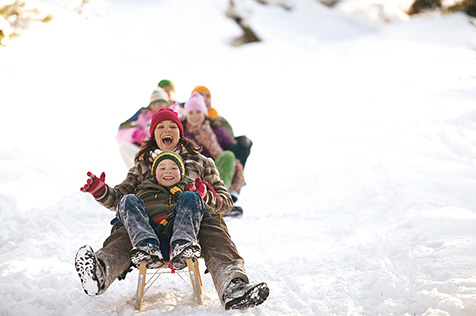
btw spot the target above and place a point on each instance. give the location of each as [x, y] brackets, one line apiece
[188, 212]
[187, 216]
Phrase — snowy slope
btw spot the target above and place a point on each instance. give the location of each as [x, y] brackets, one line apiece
[360, 196]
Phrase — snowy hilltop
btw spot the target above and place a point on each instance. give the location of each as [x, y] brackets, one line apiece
[360, 195]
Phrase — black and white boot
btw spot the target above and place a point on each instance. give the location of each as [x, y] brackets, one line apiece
[239, 295]
[91, 271]
[183, 250]
[149, 253]
[236, 211]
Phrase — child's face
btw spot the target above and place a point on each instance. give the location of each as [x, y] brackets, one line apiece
[208, 99]
[167, 173]
[171, 92]
[195, 118]
[154, 107]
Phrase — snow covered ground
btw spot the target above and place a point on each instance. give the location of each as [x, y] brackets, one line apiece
[361, 182]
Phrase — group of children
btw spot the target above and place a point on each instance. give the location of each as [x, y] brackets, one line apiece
[202, 124]
[163, 225]
[161, 212]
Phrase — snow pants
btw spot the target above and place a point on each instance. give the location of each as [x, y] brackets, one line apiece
[226, 163]
[218, 250]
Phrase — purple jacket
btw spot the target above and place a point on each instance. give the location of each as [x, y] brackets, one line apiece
[223, 139]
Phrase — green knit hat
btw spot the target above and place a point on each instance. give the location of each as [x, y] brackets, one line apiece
[165, 82]
[172, 156]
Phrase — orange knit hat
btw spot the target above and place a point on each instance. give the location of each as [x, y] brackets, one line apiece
[200, 89]
[212, 113]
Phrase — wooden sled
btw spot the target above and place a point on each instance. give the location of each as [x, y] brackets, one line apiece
[144, 283]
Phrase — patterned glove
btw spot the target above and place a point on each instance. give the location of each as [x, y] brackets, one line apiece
[199, 187]
[94, 185]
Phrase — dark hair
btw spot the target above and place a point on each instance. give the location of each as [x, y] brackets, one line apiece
[149, 145]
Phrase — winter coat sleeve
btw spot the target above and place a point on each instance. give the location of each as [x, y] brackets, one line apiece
[132, 131]
[223, 138]
[135, 176]
[126, 135]
[204, 168]
[133, 118]
[223, 122]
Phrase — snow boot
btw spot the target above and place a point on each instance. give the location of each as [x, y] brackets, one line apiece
[236, 211]
[183, 250]
[148, 252]
[234, 195]
[239, 295]
[91, 270]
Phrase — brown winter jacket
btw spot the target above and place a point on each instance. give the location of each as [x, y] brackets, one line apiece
[158, 201]
[196, 166]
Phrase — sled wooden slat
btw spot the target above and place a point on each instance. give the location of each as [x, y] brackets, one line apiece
[141, 285]
[196, 280]
[142, 281]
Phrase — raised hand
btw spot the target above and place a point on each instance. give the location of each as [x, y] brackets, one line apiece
[94, 185]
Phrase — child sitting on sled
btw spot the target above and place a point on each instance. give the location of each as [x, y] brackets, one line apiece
[162, 218]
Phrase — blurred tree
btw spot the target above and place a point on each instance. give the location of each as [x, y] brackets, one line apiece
[16, 17]
[467, 6]
[420, 6]
[249, 35]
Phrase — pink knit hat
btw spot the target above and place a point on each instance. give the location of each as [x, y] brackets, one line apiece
[195, 102]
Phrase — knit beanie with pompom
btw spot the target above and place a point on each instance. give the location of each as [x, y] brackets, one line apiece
[200, 89]
[159, 94]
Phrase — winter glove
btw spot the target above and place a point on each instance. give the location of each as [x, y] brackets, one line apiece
[95, 185]
[199, 187]
[139, 135]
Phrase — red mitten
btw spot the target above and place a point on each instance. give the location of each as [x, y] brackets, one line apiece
[199, 187]
[95, 185]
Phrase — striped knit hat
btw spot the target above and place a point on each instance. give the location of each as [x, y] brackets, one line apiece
[159, 94]
[172, 156]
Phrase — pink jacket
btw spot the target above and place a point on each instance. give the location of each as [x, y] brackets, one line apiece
[138, 130]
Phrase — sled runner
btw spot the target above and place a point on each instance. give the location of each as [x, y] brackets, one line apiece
[143, 284]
